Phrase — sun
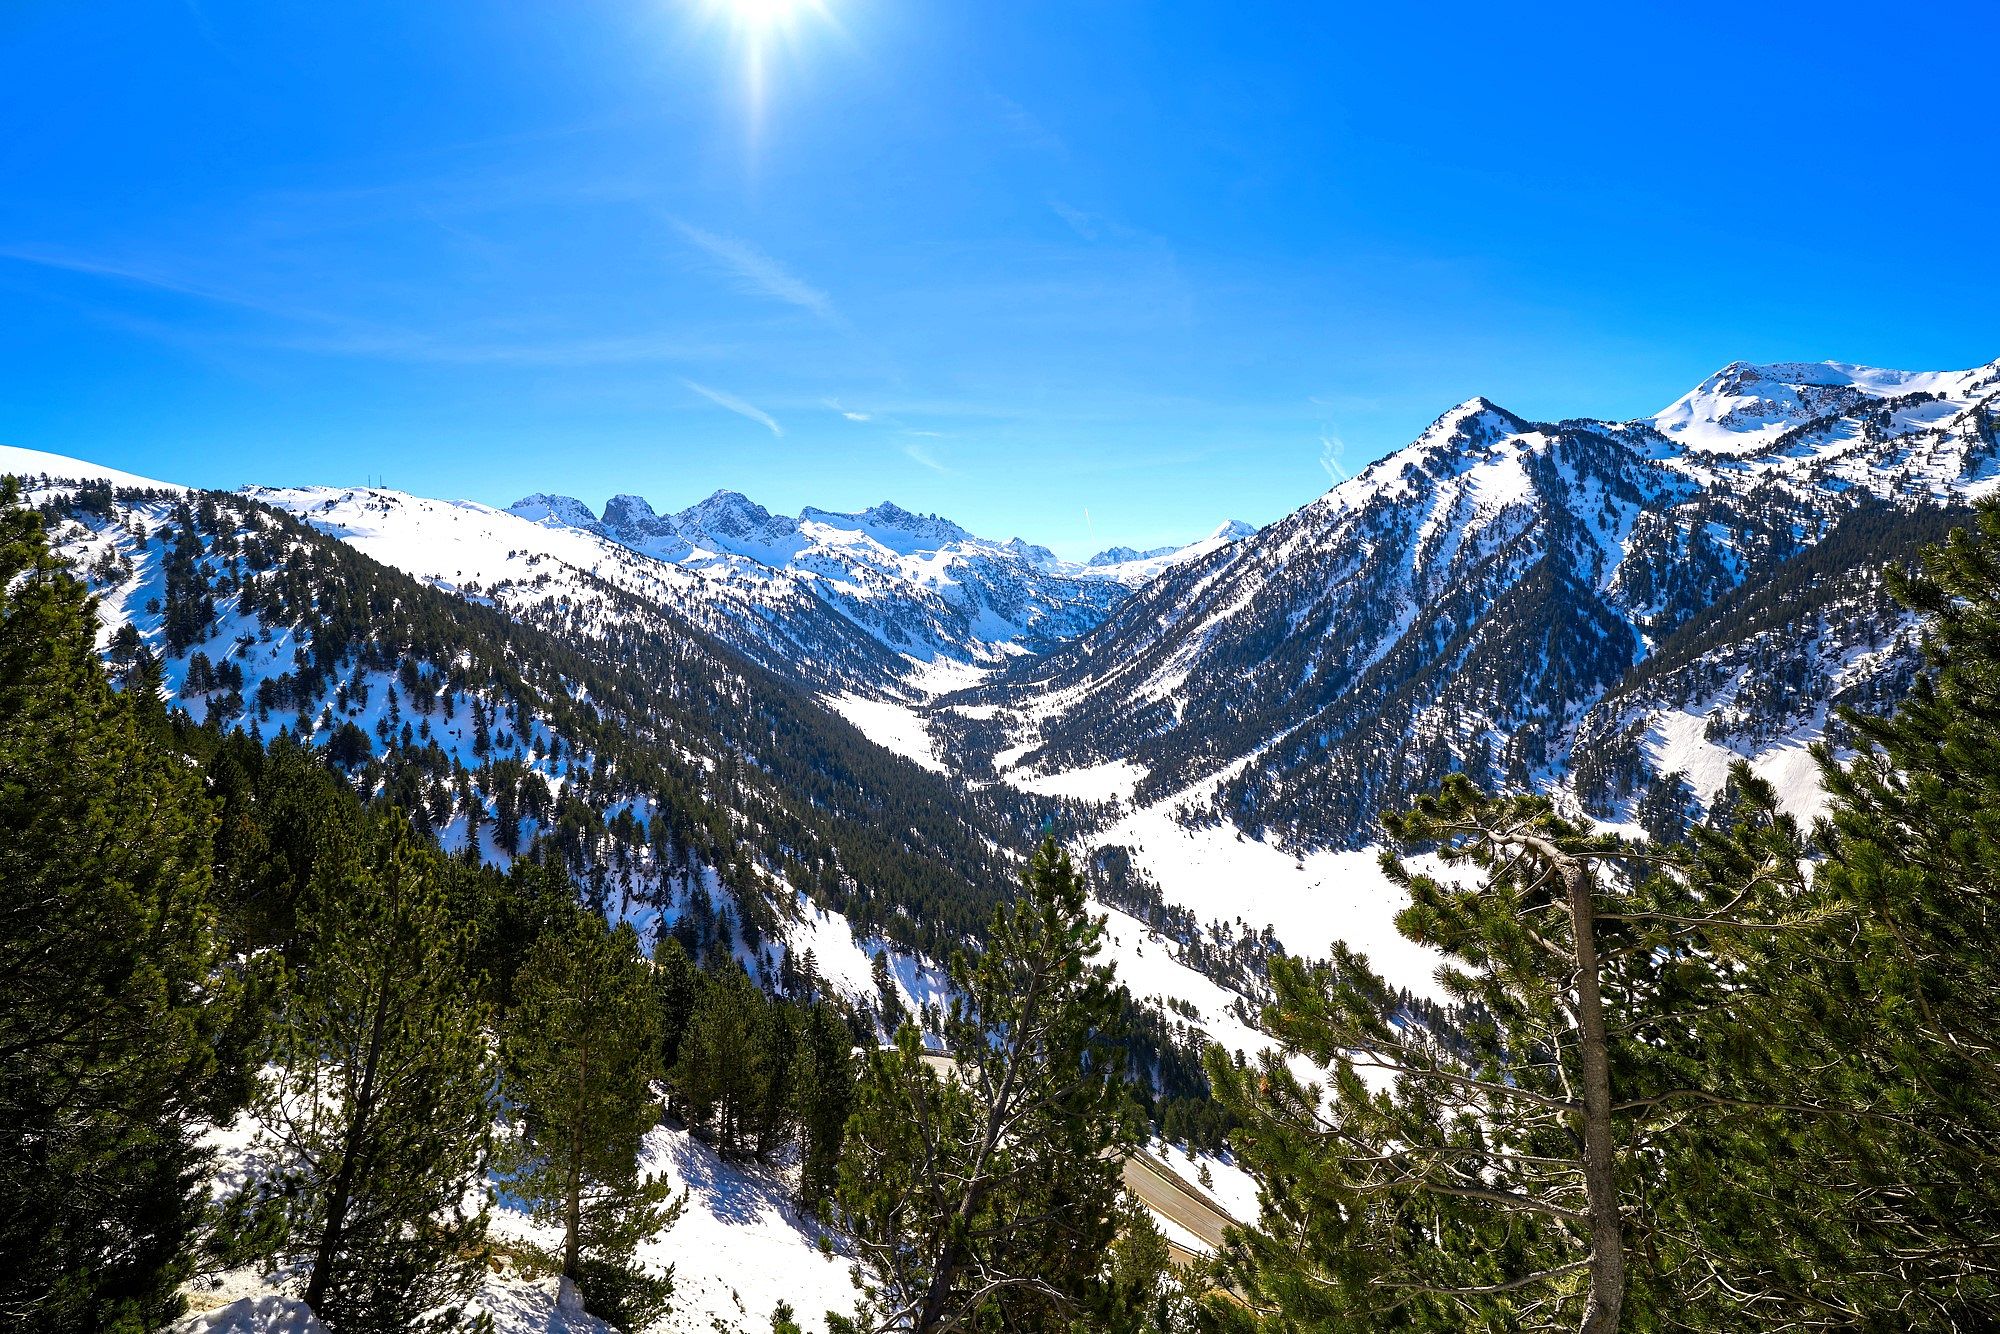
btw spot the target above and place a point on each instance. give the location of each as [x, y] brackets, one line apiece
[760, 27]
[760, 16]
[758, 19]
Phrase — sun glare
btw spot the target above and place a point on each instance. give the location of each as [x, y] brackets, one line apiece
[760, 16]
[759, 26]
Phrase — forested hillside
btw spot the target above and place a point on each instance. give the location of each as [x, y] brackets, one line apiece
[1731, 1078]
[424, 1051]
[646, 754]
[1463, 605]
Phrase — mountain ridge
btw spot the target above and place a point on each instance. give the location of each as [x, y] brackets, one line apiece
[1459, 604]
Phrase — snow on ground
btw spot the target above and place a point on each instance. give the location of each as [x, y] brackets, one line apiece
[1678, 741]
[845, 962]
[1177, 1235]
[739, 1248]
[1228, 1185]
[24, 463]
[941, 676]
[841, 960]
[265, 1313]
[1309, 901]
[1147, 967]
[449, 543]
[1098, 782]
[894, 727]
[517, 1305]
[535, 1306]
[742, 1246]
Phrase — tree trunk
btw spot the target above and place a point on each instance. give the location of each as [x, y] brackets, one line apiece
[932, 1314]
[573, 1204]
[1600, 1175]
[342, 1193]
[572, 1231]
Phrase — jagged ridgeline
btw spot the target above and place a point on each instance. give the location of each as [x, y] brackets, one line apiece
[1501, 597]
[636, 747]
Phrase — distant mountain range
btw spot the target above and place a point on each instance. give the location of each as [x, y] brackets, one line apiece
[1608, 611]
[919, 584]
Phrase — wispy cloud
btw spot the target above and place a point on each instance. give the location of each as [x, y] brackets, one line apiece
[299, 329]
[449, 350]
[759, 274]
[737, 406]
[1331, 447]
[1028, 127]
[1083, 224]
[848, 412]
[138, 274]
[918, 453]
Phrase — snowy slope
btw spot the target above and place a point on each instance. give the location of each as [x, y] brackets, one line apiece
[740, 1247]
[33, 463]
[1476, 602]
[1460, 603]
[1743, 408]
[546, 566]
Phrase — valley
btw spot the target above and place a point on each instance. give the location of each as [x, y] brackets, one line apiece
[837, 734]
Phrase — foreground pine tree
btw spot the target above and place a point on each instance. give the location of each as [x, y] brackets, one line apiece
[1560, 1159]
[1911, 976]
[109, 999]
[987, 1197]
[581, 1051]
[1694, 1087]
[384, 1093]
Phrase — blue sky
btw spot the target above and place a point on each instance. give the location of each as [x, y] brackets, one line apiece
[1086, 272]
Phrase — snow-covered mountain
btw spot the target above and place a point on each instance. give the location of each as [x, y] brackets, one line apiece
[676, 780]
[1609, 611]
[1480, 600]
[920, 585]
[1743, 408]
[1582, 606]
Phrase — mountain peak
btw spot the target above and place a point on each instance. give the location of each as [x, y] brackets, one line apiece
[1123, 555]
[896, 528]
[1228, 531]
[629, 507]
[634, 519]
[727, 508]
[1746, 405]
[558, 511]
[1473, 424]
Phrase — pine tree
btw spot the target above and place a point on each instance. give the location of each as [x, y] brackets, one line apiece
[382, 1102]
[110, 997]
[824, 1098]
[1562, 1156]
[679, 985]
[581, 1051]
[729, 1065]
[1144, 1292]
[1910, 964]
[988, 1197]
